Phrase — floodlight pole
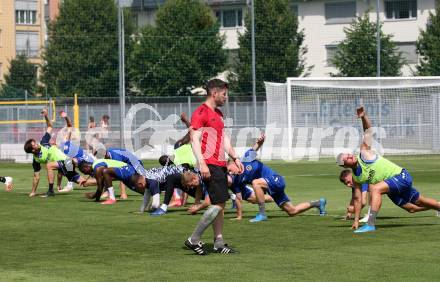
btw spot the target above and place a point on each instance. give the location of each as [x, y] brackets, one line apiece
[378, 63]
[378, 38]
[254, 76]
[121, 71]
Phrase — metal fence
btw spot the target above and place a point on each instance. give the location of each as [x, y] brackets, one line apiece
[159, 113]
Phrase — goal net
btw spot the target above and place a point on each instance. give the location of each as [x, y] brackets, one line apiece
[316, 117]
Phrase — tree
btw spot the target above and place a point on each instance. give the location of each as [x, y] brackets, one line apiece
[278, 46]
[22, 77]
[82, 52]
[182, 50]
[356, 54]
[428, 46]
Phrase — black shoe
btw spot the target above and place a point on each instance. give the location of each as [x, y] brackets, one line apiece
[225, 250]
[197, 248]
[48, 194]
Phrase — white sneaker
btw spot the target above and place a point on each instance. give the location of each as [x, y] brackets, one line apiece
[66, 189]
[364, 219]
[8, 183]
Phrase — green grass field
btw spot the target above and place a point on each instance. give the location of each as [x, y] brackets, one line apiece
[69, 238]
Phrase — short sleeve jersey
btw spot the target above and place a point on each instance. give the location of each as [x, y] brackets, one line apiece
[211, 123]
[253, 169]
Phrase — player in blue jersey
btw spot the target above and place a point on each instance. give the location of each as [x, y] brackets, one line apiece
[193, 180]
[105, 171]
[149, 188]
[75, 152]
[96, 170]
[125, 156]
[244, 193]
[121, 155]
[264, 179]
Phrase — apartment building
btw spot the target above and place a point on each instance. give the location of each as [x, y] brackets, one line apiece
[22, 31]
[323, 22]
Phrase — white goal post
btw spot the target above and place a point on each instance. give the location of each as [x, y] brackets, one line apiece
[317, 116]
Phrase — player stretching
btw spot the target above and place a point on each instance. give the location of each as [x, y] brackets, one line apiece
[125, 156]
[383, 177]
[168, 178]
[346, 178]
[264, 179]
[209, 144]
[105, 171]
[193, 184]
[244, 193]
[8, 183]
[45, 153]
[73, 151]
[96, 169]
[183, 154]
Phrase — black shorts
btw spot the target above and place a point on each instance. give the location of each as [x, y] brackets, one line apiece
[217, 185]
[68, 170]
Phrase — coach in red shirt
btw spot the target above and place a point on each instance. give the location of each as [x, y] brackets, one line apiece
[209, 144]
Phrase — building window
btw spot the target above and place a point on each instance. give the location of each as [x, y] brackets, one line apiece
[402, 9]
[409, 52]
[340, 12]
[25, 17]
[230, 18]
[331, 52]
[27, 43]
[26, 11]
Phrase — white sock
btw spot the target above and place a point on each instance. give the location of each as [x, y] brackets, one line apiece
[155, 203]
[111, 193]
[69, 184]
[146, 201]
[164, 207]
[369, 210]
[233, 196]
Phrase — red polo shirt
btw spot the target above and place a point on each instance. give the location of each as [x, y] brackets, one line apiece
[210, 122]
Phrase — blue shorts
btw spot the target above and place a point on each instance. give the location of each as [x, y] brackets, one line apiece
[401, 189]
[246, 192]
[276, 185]
[364, 187]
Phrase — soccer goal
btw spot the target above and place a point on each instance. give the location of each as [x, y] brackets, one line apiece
[19, 112]
[316, 116]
